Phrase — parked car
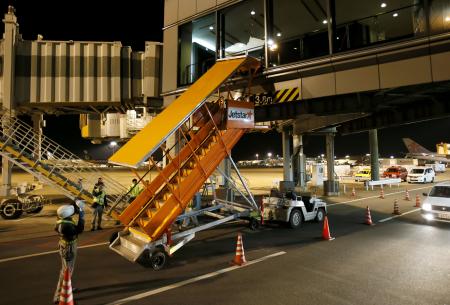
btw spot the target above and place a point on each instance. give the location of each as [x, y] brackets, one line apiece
[421, 175]
[396, 172]
[363, 175]
[436, 205]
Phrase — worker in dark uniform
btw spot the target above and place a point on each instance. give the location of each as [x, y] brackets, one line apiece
[68, 231]
[99, 204]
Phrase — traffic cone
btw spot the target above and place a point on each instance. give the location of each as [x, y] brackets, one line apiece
[65, 295]
[353, 192]
[239, 258]
[326, 230]
[407, 195]
[382, 194]
[368, 217]
[417, 201]
[396, 209]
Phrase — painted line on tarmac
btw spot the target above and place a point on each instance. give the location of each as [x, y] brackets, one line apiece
[378, 196]
[192, 280]
[392, 217]
[4, 260]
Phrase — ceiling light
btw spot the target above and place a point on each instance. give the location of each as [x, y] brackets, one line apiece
[337, 37]
[395, 15]
[278, 34]
[211, 28]
[273, 47]
[383, 4]
[325, 21]
[447, 19]
[252, 13]
[269, 42]
[295, 48]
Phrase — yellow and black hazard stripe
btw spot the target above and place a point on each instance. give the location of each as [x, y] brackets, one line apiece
[287, 95]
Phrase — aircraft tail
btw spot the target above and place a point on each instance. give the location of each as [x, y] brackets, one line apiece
[414, 147]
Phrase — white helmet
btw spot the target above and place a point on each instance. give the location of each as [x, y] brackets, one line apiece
[65, 211]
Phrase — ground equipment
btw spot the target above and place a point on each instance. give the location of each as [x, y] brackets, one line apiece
[292, 208]
[202, 126]
[13, 207]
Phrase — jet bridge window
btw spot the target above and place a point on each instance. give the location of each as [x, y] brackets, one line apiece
[196, 49]
[362, 23]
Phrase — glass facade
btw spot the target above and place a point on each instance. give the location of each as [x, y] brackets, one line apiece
[196, 49]
[297, 30]
[362, 23]
[300, 29]
[439, 16]
[243, 29]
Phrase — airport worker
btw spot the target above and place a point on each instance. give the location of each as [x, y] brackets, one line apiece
[99, 204]
[134, 190]
[100, 182]
[68, 231]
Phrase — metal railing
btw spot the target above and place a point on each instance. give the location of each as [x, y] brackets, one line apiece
[56, 159]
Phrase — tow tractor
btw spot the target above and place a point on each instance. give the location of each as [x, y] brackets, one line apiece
[293, 209]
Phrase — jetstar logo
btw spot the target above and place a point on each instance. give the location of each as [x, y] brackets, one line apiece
[240, 114]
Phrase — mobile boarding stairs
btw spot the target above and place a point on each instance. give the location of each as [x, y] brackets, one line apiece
[203, 127]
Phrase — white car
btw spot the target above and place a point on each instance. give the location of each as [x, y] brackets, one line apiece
[421, 175]
[436, 205]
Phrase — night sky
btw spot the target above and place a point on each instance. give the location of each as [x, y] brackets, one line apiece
[132, 23]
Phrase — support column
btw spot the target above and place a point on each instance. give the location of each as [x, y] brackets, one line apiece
[38, 123]
[299, 161]
[287, 169]
[9, 46]
[331, 186]
[374, 165]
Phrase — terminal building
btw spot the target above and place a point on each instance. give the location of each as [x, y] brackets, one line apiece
[328, 66]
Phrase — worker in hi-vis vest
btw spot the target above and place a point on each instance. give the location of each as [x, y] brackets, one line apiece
[134, 190]
[99, 204]
[68, 232]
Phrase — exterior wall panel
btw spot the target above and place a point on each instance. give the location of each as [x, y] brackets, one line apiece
[203, 5]
[440, 64]
[186, 8]
[357, 80]
[170, 12]
[170, 59]
[318, 86]
[405, 72]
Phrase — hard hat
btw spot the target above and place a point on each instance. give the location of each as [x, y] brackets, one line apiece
[65, 211]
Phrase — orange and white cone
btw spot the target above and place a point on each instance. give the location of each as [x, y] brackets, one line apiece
[396, 208]
[353, 192]
[368, 217]
[326, 230]
[382, 194]
[417, 201]
[65, 295]
[407, 195]
[239, 258]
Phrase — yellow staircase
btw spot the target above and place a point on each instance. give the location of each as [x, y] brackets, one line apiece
[202, 141]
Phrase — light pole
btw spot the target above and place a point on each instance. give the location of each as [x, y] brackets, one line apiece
[257, 156]
[269, 155]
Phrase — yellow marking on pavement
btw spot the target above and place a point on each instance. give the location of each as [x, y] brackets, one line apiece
[192, 280]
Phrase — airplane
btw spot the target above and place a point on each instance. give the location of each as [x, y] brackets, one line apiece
[419, 152]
